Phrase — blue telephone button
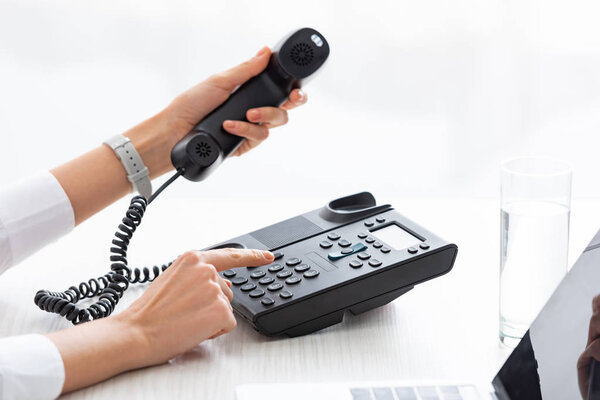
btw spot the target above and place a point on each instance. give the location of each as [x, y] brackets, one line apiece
[274, 286]
[285, 294]
[257, 293]
[229, 273]
[248, 287]
[240, 280]
[325, 244]
[311, 274]
[267, 301]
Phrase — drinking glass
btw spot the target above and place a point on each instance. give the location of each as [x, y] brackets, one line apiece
[534, 236]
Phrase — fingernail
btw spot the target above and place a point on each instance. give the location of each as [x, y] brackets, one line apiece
[229, 124]
[261, 51]
[228, 283]
[254, 115]
[268, 255]
[301, 95]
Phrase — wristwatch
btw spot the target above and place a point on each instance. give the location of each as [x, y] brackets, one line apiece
[137, 172]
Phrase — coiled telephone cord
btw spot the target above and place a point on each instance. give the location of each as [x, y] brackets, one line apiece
[111, 286]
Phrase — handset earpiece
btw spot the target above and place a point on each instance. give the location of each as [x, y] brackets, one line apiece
[296, 58]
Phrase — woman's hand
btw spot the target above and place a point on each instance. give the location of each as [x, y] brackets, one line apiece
[155, 137]
[592, 350]
[187, 304]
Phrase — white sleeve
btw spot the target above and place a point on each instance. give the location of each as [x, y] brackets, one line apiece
[30, 368]
[33, 212]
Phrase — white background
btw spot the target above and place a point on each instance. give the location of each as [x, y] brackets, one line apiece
[418, 99]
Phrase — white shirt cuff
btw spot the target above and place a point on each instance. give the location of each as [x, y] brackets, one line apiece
[33, 213]
[30, 368]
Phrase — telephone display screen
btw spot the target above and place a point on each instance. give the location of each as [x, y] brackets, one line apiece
[396, 237]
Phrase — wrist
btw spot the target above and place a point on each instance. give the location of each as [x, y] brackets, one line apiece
[133, 342]
[153, 141]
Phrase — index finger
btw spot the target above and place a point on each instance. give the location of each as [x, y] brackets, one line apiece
[224, 259]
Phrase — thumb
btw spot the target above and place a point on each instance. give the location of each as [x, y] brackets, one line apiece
[223, 259]
[232, 78]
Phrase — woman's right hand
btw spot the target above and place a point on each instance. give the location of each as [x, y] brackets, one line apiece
[189, 302]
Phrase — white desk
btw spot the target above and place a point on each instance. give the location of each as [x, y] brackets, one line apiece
[442, 329]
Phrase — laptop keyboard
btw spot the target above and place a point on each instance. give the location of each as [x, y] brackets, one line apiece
[411, 393]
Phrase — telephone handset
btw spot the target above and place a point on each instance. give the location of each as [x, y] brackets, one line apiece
[296, 58]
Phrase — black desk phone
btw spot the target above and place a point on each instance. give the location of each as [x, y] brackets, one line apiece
[351, 255]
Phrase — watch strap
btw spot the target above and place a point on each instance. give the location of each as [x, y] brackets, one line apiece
[137, 172]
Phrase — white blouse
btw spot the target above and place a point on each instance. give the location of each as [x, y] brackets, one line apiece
[30, 365]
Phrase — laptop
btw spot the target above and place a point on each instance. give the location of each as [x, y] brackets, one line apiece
[543, 365]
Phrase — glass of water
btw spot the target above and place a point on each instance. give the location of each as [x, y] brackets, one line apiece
[535, 207]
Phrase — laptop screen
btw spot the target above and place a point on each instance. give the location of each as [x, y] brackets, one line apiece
[545, 363]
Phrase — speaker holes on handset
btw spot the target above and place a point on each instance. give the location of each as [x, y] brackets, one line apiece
[301, 54]
[203, 149]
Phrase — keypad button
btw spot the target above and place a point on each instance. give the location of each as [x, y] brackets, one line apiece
[311, 274]
[257, 274]
[369, 223]
[325, 244]
[229, 273]
[248, 287]
[362, 235]
[275, 268]
[266, 280]
[369, 240]
[292, 280]
[424, 246]
[364, 256]
[286, 294]
[293, 261]
[240, 280]
[377, 245]
[347, 251]
[333, 236]
[277, 255]
[412, 250]
[302, 268]
[374, 262]
[344, 243]
[267, 301]
[273, 287]
[356, 264]
[284, 274]
[257, 293]
[385, 249]
[380, 220]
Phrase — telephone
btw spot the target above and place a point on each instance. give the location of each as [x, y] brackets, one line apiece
[351, 255]
[296, 58]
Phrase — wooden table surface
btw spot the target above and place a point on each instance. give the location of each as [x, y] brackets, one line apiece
[443, 329]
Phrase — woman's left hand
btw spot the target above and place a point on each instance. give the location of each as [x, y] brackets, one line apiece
[155, 137]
